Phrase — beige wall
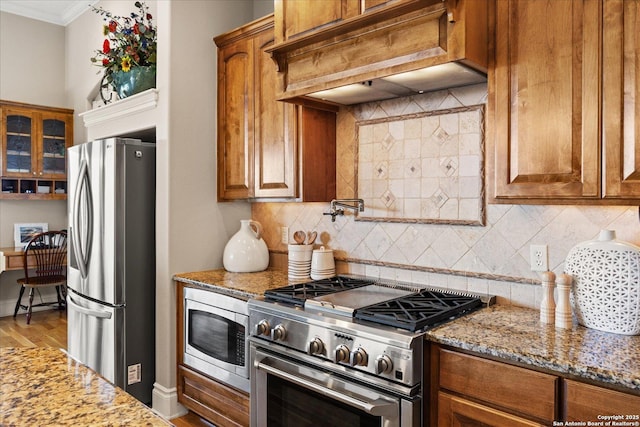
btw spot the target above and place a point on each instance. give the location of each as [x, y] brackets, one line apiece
[32, 69]
[192, 228]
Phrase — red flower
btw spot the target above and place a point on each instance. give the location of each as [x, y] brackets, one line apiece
[149, 17]
[106, 47]
[136, 29]
[105, 62]
[112, 26]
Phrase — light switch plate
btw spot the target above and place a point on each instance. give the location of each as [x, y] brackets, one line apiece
[284, 237]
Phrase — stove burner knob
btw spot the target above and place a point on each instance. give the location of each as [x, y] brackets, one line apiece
[263, 328]
[316, 346]
[279, 333]
[359, 357]
[342, 353]
[384, 365]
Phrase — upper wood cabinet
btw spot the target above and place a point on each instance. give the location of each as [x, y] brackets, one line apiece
[33, 150]
[621, 99]
[262, 142]
[564, 102]
[299, 17]
[322, 45]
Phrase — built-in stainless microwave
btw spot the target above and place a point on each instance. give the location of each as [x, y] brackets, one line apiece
[216, 328]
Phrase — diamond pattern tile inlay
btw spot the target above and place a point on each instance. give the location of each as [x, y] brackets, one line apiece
[388, 198]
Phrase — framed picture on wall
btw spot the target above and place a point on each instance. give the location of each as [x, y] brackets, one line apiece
[23, 232]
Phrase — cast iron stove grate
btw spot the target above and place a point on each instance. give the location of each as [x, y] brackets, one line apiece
[417, 311]
[297, 294]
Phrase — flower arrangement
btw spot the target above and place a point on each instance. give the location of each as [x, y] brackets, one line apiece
[130, 42]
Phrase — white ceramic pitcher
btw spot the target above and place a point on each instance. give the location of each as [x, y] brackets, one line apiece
[246, 252]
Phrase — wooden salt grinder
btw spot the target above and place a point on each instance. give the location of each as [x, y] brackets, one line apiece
[548, 305]
[563, 309]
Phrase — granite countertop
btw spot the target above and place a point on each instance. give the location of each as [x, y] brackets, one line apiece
[240, 285]
[516, 334]
[43, 386]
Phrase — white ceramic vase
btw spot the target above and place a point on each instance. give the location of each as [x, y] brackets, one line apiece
[606, 284]
[246, 252]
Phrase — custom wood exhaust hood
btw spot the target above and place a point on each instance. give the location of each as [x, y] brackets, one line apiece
[392, 49]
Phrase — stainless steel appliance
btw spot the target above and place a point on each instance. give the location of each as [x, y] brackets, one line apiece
[111, 261]
[215, 335]
[344, 351]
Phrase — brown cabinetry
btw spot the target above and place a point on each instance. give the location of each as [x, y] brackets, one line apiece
[33, 150]
[299, 17]
[563, 102]
[587, 402]
[222, 405]
[471, 390]
[263, 143]
[494, 392]
[323, 45]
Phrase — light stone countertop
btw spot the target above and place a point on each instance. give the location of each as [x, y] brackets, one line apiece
[507, 332]
[43, 386]
[516, 334]
[239, 285]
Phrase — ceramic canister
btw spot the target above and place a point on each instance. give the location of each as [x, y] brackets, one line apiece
[246, 251]
[606, 290]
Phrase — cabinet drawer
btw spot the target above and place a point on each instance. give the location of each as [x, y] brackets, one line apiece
[586, 402]
[222, 405]
[503, 386]
[456, 411]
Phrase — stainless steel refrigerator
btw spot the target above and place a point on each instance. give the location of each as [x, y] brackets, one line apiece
[111, 261]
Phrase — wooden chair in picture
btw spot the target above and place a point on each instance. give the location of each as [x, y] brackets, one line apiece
[47, 254]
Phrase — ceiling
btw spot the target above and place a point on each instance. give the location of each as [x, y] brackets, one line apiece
[60, 12]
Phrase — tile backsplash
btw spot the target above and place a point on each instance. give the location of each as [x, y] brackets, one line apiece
[425, 167]
[493, 258]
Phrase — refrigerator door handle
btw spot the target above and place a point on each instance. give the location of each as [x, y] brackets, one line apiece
[79, 198]
[95, 313]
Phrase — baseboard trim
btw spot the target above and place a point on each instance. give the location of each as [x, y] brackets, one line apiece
[8, 306]
[165, 402]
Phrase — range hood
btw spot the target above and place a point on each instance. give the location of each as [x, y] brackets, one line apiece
[405, 49]
[428, 79]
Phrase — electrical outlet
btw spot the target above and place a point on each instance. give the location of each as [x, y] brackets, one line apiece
[539, 258]
[284, 236]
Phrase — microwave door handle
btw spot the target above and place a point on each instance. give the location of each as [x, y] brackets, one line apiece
[94, 313]
[377, 408]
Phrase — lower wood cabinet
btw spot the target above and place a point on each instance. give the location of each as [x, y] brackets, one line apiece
[498, 389]
[469, 390]
[458, 411]
[586, 402]
[224, 406]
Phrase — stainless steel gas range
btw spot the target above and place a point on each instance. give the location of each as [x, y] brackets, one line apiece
[344, 351]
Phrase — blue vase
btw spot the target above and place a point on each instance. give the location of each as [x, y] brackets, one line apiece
[136, 80]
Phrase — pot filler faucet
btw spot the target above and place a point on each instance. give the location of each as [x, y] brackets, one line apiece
[338, 206]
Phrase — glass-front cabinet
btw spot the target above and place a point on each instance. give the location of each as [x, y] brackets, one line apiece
[33, 151]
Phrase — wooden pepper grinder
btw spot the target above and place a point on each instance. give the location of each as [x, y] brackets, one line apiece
[563, 309]
[548, 305]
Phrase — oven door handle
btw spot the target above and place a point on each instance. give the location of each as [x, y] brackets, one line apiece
[378, 408]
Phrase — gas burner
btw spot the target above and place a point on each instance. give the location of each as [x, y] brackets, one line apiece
[297, 294]
[417, 311]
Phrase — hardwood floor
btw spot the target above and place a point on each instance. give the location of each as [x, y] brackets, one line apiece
[49, 329]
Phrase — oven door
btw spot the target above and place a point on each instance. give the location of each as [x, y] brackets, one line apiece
[286, 392]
